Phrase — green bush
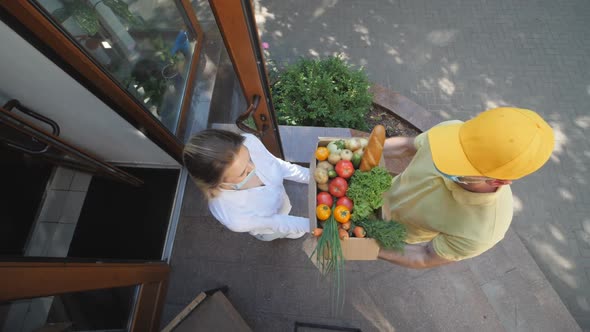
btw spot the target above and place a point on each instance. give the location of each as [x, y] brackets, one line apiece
[322, 93]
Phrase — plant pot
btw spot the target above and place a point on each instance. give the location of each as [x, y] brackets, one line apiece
[170, 71]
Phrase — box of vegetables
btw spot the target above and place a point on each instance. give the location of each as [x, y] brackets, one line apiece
[346, 204]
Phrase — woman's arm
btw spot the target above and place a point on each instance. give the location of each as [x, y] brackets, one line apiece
[242, 221]
[293, 172]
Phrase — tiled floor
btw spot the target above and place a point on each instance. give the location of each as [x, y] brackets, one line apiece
[59, 212]
[51, 236]
[273, 284]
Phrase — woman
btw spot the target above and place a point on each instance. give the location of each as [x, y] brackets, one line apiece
[243, 182]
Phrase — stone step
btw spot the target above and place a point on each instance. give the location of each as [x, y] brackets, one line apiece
[299, 142]
[404, 108]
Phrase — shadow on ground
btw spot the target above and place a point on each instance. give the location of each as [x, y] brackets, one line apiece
[458, 58]
[274, 284]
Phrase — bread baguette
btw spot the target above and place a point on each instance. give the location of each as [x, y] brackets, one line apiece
[374, 149]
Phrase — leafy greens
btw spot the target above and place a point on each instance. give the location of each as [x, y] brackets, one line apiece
[366, 191]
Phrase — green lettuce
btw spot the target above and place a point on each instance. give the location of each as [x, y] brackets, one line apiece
[366, 191]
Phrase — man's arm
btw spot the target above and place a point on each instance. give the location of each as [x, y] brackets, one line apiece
[414, 256]
[398, 147]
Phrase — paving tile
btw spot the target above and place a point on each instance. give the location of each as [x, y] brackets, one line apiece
[81, 181]
[280, 253]
[446, 299]
[62, 178]
[16, 313]
[277, 322]
[60, 243]
[189, 277]
[53, 205]
[202, 237]
[38, 313]
[517, 308]
[283, 290]
[194, 203]
[491, 264]
[72, 207]
[41, 238]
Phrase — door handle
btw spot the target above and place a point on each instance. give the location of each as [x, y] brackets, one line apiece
[250, 111]
[54, 126]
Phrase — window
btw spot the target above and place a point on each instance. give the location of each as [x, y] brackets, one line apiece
[145, 46]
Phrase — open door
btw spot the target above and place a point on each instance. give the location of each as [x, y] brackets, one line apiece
[49, 146]
[100, 55]
[237, 24]
[82, 296]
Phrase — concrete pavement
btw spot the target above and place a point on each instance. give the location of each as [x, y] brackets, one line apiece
[274, 284]
[460, 57]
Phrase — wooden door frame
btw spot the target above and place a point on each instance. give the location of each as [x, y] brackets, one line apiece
[235, 18]
[33, 25]
[21, 280]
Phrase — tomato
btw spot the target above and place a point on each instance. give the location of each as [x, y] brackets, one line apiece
[322, 153]
[345, 201]
[341, 214]
[344, 169]
[323, 212]
[338, 187]
[325, 198]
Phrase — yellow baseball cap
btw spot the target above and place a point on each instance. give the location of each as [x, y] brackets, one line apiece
[502, 143]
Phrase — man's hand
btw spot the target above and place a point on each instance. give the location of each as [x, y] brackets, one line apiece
[398, 147]
[414, 256]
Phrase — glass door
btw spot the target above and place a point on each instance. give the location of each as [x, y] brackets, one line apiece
[237, 24]
[107, 309]
[145, 46]
[63, 296]
[139, 57]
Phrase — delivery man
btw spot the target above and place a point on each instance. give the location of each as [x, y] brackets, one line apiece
[454, 196]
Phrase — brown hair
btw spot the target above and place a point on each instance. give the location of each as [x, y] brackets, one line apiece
[208, 154]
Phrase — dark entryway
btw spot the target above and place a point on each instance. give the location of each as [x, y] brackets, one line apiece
[22, 185]
[119, 221]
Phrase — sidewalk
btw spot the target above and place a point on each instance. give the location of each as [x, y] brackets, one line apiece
[458, 58]
[274, 284]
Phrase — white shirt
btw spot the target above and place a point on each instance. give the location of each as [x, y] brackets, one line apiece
[264, 209]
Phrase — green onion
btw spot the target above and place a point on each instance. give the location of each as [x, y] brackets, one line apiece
[330, 260]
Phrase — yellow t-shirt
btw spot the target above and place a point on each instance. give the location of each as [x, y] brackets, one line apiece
[461, 224]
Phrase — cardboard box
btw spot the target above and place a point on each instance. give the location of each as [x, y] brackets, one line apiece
[353, 249]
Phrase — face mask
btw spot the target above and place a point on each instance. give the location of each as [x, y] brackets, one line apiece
[453, 178]
[462, 179]
[238, 186]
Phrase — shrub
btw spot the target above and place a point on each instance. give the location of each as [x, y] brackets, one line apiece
[322, 93]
